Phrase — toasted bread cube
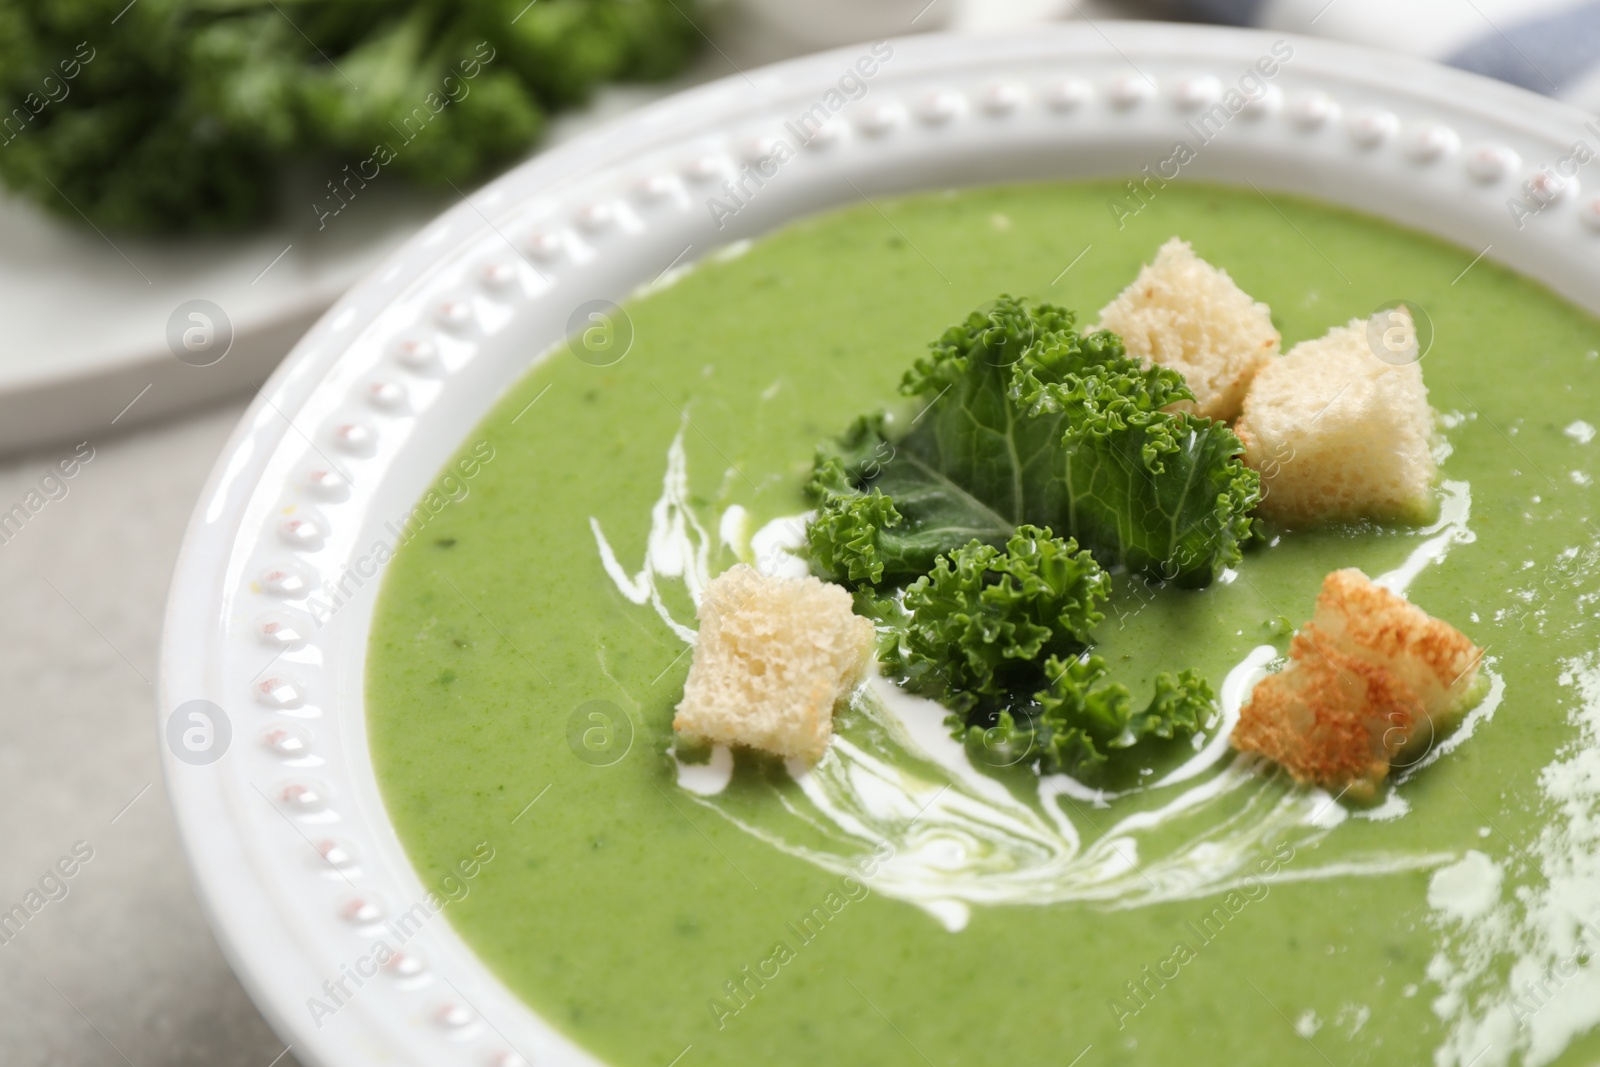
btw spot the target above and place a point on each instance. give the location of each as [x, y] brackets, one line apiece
[773, 657]
[1371, 682]
[1436, 661]
[1185, 314]
[1338, 434]
[1330, 719]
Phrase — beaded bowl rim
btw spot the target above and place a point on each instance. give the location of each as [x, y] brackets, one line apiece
[298, 867]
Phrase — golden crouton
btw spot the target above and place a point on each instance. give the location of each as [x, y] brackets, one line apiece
[1371, 681]
[1185, 314]
[1328, 718]
[1339, 434]
[1432, 658]
[773, 657]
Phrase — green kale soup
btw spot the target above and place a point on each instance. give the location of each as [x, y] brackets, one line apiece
[902, 902]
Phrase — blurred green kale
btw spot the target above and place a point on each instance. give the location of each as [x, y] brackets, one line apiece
[181, 115]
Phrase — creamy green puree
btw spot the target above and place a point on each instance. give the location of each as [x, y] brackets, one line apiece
[1264, 927]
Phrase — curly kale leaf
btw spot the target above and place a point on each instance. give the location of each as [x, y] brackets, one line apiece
[1022, 419]
[1079, 721]
[981, 620]
[855, 536]
[1159, 492]
[970, 428]
[1001, 639]
[895, 529]
[1020, 425]
[951, 475]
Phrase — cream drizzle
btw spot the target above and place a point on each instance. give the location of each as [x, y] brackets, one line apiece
[1548, 928]
[960, 837]
[677, 546]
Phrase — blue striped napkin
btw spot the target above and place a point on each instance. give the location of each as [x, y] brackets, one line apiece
[1549, 46]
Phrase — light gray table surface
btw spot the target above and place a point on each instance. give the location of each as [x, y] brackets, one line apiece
[123, 969]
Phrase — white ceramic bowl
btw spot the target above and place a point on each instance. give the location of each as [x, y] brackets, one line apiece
[296, 861]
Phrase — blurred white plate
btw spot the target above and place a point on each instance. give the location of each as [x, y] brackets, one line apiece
[279, 806]
[86, 314]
